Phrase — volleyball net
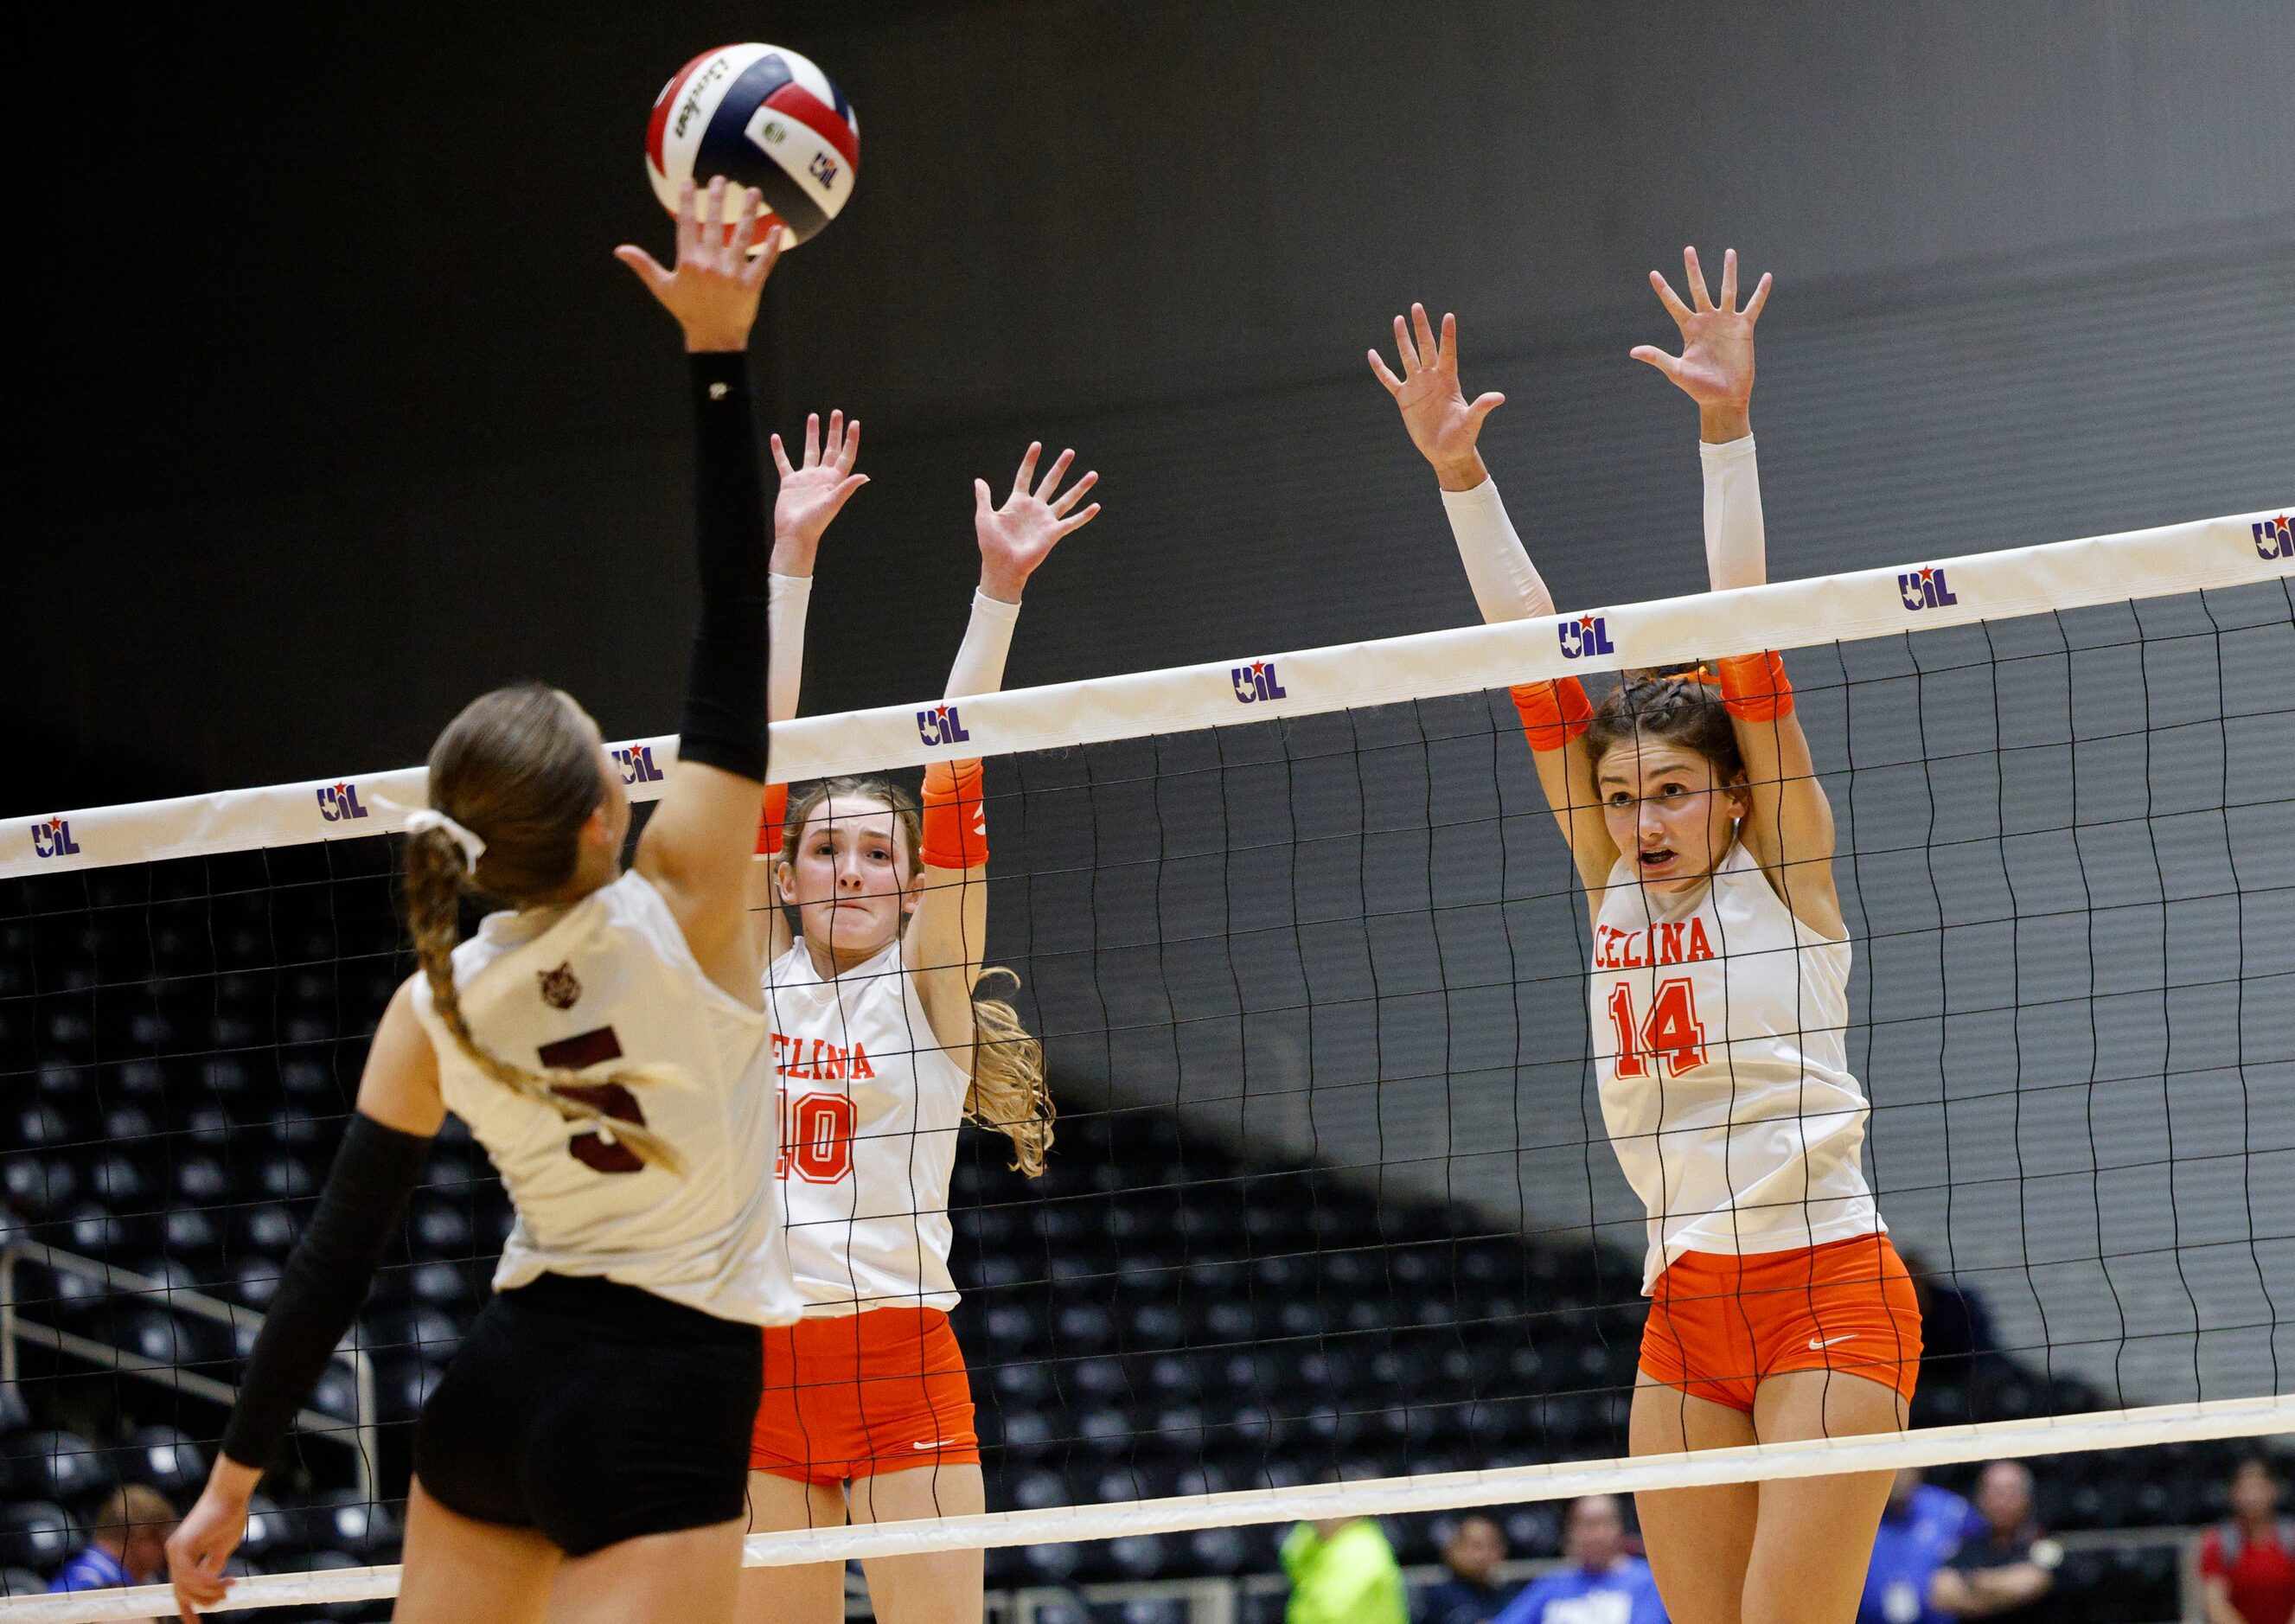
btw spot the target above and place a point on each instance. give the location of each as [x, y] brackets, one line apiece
[1331, 1225]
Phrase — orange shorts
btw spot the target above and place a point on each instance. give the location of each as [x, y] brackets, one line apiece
[1719, 1323]
[863, 1394]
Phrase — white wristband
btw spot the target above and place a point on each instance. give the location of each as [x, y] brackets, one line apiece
[1737, 550]
[1506, 584]
[979, 667]
[785, 599]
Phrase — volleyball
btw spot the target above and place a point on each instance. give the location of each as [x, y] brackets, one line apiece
[762, 116]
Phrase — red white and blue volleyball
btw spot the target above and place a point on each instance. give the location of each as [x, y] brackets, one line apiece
[761, 117]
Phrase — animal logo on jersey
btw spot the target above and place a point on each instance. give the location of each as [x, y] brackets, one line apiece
[1589, 634]
[636, 763]
[1926, 588]
[561, 988]
[2275, 538]
[941, 725]
[53, 838]
[338, 803]
[1257, 682]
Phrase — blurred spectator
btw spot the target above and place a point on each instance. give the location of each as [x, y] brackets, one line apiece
[130, 1546]
[1955, 1328]
[1342, 1571]
[1471, 1592]
[1601, 1585]
[1919, 1526]
[2008, 1570]
[2247, 1564]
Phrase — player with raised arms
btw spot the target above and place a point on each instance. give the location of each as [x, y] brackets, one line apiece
[1779, 1310]
[606, 1043]
[885, 1043]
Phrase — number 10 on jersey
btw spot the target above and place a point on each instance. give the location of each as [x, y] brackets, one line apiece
[816, 1142]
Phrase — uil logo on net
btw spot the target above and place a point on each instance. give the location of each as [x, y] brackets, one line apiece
[1589, 634]
[2275, 538]
[941, 725]
[1925, 588]
[1257, 682]
[339, 802]
[637, 765]
[53, 838]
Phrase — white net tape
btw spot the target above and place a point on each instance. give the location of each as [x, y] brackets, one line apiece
[2172, 559]
[1448, 1491]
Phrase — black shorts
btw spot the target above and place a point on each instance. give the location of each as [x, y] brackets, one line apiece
[594, 1413]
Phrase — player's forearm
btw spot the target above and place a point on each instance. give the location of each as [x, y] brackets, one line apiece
[1736, 544]
[1506, 584]
[723, 725]
[979, 664]
[786, 599]
[324, 1282]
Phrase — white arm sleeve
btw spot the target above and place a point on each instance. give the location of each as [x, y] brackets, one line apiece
[786, 598]
[1736, 550]
[979, 667]
[1506, 582]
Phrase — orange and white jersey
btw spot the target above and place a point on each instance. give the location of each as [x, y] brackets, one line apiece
[871, 1104]
[610, 982]
[1719, 1036]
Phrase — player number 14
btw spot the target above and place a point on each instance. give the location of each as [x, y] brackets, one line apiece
[1669, 1033]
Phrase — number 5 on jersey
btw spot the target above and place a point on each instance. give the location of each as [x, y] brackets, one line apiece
[816, 1138]
[588, 1048]
[1671, 1033]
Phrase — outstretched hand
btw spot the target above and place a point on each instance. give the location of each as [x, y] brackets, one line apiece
[1715, 368]
[714, 289]
[814, 491]
[1020, 535]
[1442, 425]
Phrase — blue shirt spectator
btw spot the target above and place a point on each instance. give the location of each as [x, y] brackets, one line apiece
[1469, 1593]
[1601, 1585]
[130, 1546]
[1919, 1527]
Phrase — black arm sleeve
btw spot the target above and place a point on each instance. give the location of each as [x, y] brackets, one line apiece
[725, 720]
[324, 1283]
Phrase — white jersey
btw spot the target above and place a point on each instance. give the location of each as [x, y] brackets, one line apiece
[1719, 1035]
[871, 1104]
[609, 981]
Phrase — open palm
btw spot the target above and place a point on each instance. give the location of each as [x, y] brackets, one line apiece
[1715, 368]
[1021, 533]
[815, 490]
[1434, 409]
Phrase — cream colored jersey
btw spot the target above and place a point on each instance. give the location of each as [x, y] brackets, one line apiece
[871, 1104]
[1719, 1036]
[610, 981]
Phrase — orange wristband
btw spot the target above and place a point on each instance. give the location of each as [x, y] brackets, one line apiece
[1754, 688]
[956, 817]
[1552, 714]
[770, 821]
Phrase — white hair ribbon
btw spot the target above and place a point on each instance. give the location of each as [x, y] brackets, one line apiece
[423, 818]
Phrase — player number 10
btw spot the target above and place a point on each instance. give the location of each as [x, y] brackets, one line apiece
[816, 1138]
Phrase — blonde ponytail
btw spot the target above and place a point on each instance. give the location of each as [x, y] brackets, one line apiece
[1008, 1092]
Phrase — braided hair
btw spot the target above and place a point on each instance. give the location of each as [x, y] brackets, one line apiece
[519, 767]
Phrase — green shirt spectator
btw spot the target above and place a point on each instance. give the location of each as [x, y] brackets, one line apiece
[1343, 1572]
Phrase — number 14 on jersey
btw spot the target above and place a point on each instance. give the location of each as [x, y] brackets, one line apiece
[1670, 1033]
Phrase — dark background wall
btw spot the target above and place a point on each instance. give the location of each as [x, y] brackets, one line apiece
[332, 409]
